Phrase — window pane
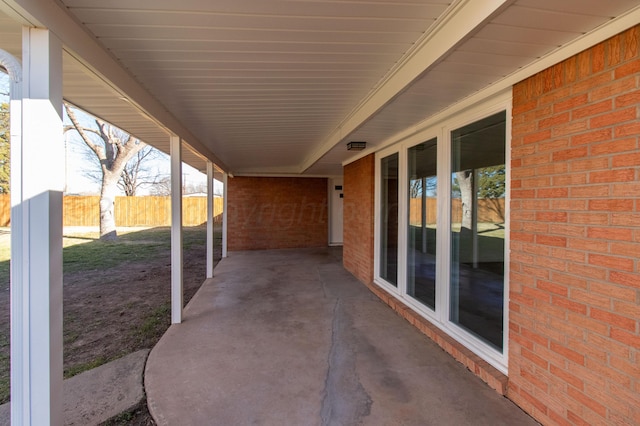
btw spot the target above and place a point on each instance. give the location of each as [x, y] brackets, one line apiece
[389, 219]
[421, 253]
[477, 228]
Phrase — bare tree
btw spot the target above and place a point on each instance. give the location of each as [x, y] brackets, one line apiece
[422, 186]
[415, 188]
[161, 187]
[113, 148]
[465, 182]
[137, 173]
[194, 188]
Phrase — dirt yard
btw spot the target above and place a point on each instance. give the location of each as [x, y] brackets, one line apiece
[116, 299]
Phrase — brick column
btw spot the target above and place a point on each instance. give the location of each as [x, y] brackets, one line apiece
[357, 252]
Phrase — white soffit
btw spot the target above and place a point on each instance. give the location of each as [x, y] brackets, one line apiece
[263, 82]
[521, 35]
[10, 35]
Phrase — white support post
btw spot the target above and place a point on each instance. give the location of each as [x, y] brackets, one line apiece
[209, 219]
[225, 192]
[37, 147]
[176, 230]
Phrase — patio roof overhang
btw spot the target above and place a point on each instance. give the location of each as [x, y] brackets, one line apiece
[257, 87]
[280, 87]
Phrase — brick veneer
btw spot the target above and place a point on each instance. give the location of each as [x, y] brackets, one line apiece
[274, 213]
[358, 214]
[574, 354]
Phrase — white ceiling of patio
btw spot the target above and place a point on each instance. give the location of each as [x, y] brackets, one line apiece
[280, 86]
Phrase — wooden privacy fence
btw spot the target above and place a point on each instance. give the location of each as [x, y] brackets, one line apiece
[129, 211]
[489, 210]
[156, 211]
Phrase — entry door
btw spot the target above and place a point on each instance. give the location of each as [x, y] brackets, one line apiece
[335, 212]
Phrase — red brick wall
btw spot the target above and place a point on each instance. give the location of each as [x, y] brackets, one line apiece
[274, 213]
[357, 250]
[574, 354]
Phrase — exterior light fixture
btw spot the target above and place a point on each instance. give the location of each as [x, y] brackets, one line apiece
[356, 146]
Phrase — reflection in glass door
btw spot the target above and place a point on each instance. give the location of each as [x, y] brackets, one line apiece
[389, 219]
[421, 253]
[477, 228]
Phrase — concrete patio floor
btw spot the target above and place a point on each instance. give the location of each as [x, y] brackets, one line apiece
[288, 337]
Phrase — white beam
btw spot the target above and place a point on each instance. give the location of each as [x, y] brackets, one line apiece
[497, 89]
[209, 219]
[176, 230]
[36, 234]
[225, 192]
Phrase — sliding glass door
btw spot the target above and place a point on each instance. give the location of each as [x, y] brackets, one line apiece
[389, 219]
[477, 228]
[421, 250]
[441, 226]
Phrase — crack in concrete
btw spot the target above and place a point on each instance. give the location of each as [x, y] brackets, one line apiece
[324, 286]
[345, 400]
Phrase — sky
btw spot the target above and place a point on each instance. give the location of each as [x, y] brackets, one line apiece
[77, 164]
[80, 160]
[79, 182]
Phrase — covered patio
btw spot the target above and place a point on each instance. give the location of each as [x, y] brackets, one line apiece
[318, 116]
[289, 337]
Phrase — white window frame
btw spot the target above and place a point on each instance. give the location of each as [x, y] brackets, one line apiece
[441, 129]
[377, 237]
[425, 311]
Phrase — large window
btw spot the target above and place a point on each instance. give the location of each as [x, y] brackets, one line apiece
[441, 226]
[389, 220]
[421, 254]
[477, 228]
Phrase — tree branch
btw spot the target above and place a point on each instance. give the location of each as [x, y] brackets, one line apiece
[83, 133]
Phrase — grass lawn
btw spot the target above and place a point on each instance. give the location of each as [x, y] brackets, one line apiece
[83, 250]
[116, 294]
